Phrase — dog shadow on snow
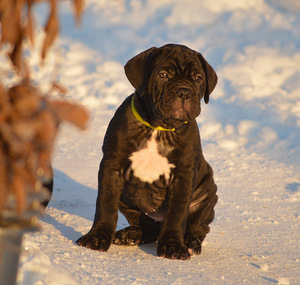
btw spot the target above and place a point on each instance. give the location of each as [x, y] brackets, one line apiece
[73, 198]
[70, 198]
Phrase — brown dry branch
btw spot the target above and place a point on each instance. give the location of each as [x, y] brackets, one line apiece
[28, 128]
[51, 28]
[29, 27]
[29, 121]
[56, 86]
[17, 26]
[78, 5]
[10, 21]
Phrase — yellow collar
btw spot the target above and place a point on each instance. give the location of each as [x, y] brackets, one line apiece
[137, 115]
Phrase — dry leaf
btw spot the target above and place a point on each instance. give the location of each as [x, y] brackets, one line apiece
[3, 176]
[47, 129]
[18, 188]
[5, 106]
[30, 24]
[71, 113]
[10, 22]
[16, 54]
[78, 5]
[45, 169]
[24, 99]
[51, 29]
[58, 87]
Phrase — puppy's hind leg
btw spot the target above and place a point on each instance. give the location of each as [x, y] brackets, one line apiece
[142, 228]
[131, 235]
[146, 232]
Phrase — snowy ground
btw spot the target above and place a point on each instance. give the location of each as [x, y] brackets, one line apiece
[250, 133]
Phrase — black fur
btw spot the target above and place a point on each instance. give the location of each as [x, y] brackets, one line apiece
[175, 208]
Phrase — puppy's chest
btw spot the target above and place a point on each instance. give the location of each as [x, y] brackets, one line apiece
[150, 163]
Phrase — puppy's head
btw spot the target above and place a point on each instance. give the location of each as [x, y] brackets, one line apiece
[170, 82]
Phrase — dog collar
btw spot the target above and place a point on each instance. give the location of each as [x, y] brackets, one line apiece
[137, 115]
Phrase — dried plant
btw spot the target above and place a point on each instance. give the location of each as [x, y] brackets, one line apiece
[29, 120]
[28, 127]
[17, 25]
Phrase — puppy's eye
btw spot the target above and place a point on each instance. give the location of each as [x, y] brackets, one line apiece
[199, 78]
[163, 75]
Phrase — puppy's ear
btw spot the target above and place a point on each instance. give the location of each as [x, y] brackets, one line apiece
[211, 77]
[137, 67]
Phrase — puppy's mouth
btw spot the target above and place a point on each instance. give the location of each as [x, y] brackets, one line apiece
[178, 116]
[181, 110]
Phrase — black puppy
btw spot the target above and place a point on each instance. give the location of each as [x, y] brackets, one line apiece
[153, 169]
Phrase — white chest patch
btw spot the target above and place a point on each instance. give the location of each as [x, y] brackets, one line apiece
[148, 165]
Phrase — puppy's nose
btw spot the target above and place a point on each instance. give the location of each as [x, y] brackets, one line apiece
[184, 93]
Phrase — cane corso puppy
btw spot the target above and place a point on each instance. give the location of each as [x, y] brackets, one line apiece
[153, 169]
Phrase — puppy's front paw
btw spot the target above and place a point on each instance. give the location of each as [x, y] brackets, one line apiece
[99, 241]
[173, 250]
[131, 235]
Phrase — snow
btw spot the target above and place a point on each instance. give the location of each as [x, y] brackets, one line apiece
[250, 135]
